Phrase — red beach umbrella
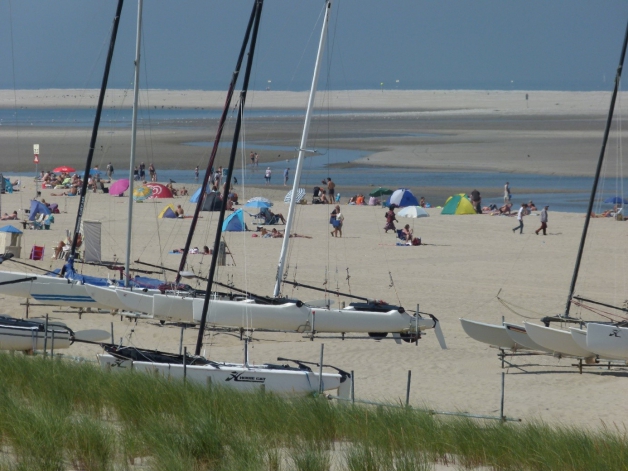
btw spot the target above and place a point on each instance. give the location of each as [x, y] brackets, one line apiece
[63, 169]
[159, 191]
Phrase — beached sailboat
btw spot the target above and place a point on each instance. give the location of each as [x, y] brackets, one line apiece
[604, 340]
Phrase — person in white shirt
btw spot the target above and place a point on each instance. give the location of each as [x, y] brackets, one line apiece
[522, 212]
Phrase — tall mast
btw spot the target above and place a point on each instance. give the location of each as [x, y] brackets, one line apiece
[92, 143]
[574, 278]
[234, 148]
[136, 87]
[210, 164]
[297, 174]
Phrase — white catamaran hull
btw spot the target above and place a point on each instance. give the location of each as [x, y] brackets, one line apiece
[558, 341]
[49, 290]
[237, 376]
[519, 334]
[491, 334]
[608, 341]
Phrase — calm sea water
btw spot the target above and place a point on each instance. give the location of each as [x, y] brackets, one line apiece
[563, 193]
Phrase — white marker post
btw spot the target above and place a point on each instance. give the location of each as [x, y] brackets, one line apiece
[36, 159]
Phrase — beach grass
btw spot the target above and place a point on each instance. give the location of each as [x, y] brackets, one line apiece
[57, 415]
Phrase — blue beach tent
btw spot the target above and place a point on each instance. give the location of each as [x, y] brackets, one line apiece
[402, 198]
[36, 208]
[235, 222]
[197, 194]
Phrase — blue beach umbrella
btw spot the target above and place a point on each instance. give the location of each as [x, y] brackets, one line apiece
[616, 200]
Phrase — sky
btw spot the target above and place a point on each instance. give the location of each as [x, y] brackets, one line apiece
[404, 44]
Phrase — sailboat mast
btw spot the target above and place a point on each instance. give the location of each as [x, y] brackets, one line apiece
[587, 219]
[304, 136]
[212, 157]
[136, 87]
[234, 148]
[92, 143]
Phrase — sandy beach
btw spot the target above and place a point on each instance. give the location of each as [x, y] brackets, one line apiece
[465, 264]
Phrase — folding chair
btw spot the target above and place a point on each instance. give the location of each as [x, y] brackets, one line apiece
[38, 223]
[37, 252]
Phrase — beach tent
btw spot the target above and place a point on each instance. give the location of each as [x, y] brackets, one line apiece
[159, 191]
[402, 198]
[300, 195]
[458, 204]
[169, 212]
[197, 194]
[8, 186]
[235, 222]
[212, 202]
[37, 208]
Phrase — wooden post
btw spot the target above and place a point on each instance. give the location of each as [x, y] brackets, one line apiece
[352, 387]
[408, 388]
[46, 336]
[27, 306]
[320, 371]
[52, 344]
[501, 407]
[112, 339]
[185, 368]
[181, 340]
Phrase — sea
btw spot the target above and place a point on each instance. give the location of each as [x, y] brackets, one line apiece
[560, 192]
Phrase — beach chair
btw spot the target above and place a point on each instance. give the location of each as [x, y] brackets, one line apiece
[38, 223]
[37, 252]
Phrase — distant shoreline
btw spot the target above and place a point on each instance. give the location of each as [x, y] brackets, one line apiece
[450, 101]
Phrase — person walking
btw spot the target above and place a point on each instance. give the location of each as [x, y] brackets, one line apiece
[390, 219]
[543, 221]
[286, 175]
[507, 194]
[267, 175]
[336, 221]
[522, 212]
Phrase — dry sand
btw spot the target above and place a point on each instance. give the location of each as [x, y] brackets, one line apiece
[467, 261]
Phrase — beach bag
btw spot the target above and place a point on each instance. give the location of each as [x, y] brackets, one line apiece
[336, 223]
[416, 241]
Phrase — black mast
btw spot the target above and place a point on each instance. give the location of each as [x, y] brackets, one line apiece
[92, 144]
[212, 157]
[572, 287]
[234, 148]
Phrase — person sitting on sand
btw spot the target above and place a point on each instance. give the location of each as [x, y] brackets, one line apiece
[180, 212]
[172, 189]
[206, 250]
[422, 202]
[505, 209]
[323, 197]
[359, 200]
[353, 199]
[531, 206]
[407, 232]
[183, 191]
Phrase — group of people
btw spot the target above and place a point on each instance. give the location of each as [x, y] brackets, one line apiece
[524, 211]
[406, 234]
[139, 172]
[8, 217]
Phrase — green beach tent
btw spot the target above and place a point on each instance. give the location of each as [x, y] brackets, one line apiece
[458, 204]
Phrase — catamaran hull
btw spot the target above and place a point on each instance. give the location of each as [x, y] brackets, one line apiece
[48, 290]
[235, 376]
[31, 338]
[519, 335]
[608, 341]
[490, 334]
[558, 341]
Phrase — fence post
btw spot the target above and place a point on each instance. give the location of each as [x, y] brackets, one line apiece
[408, 388]
[112, 339]
[185, 369]
[352, 387]
[320, 371]
[46, 336]
[181, 340]
[501, 407]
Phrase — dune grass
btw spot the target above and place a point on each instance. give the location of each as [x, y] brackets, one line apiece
[58, 415]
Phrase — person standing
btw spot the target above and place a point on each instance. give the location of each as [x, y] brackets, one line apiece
[543, 221]
[267, 175]
[196, 173]
[507, 194]
[390, 219]
[142, 171]
[152, 173]
[476, 201]
[286, 175]
[256, 160]
[331, 189]
[109, 170]
[252, 157]
[522, 212]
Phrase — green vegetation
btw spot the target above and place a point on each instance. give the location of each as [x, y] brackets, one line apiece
[56, 415]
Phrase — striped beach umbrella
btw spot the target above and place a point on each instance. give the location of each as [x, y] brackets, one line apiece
[141, 193]
[262, 199]
[300, 195]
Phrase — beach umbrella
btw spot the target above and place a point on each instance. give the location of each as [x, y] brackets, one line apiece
[11, 230]
[300, 195]
[616, 200]
[381, 192]
[119, 187]
[159, 191]
[257, 204]
[402, 198]
[413, 212]
[260, 198]
[141, 193]
[63, 169]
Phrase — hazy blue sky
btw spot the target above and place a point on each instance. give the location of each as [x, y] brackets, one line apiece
[446, 44]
